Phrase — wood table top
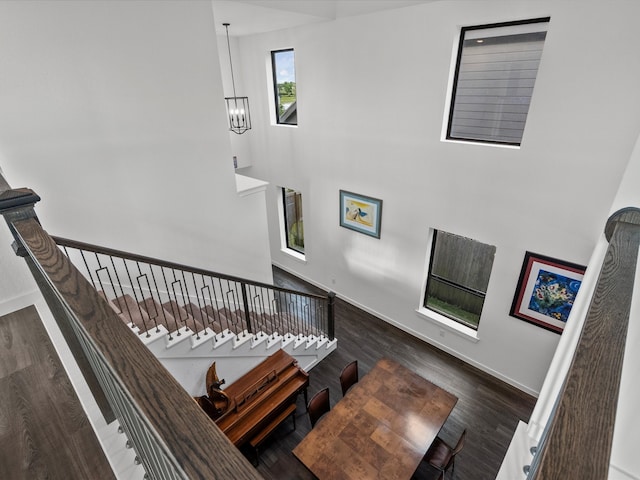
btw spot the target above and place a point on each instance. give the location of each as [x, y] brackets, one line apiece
[381, 429]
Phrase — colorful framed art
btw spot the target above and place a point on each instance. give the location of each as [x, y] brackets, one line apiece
[360, 213]
[546, 291]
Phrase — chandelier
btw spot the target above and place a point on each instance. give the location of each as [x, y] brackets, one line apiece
[237, 107]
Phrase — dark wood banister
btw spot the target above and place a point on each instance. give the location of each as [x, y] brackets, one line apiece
[576, 444]
[197, 445]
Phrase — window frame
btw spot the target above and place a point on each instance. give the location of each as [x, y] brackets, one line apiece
[276, 95]
[454, 85]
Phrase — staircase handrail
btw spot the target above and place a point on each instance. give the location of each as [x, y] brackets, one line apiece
[172, 436]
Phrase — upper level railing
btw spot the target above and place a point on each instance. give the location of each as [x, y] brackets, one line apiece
[577, 440]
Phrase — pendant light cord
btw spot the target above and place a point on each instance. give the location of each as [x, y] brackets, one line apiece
[233, 81]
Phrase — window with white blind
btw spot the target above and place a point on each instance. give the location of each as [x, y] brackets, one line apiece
[494, 79]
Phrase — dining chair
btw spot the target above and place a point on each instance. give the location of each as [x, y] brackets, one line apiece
[318, 405]
[349, 376]
[442, 456]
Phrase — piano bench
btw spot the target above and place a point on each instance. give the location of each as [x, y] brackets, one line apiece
[256, 441]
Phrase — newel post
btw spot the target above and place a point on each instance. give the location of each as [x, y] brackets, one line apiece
[245, 304]
[17, 204]
[331, 327]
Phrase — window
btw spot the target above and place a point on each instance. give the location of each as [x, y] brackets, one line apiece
[495, 73]
[284, 84]
[293, 225]
[458, 276]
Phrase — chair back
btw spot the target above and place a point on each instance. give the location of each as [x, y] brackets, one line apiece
[318, 405]
[460, 443]
[349, 376]
[456, 449]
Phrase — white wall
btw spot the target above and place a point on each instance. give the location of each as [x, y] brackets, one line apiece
[372, 98]
[113, 112]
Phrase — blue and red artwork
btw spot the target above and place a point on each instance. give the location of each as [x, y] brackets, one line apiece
[553, 295]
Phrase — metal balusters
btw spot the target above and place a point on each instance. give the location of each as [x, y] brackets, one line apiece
[166, 289]
[156, 291]
[222, 303]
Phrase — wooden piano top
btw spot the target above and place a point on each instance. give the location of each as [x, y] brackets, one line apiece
[260, 395]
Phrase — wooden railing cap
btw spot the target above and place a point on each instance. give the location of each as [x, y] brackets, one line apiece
[626, 215]
[17, 198]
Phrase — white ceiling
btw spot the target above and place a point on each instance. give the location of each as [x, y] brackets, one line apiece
[247, 17]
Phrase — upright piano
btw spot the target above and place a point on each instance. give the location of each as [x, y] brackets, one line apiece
[261, 396]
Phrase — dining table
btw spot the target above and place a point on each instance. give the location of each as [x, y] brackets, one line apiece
[381, 429]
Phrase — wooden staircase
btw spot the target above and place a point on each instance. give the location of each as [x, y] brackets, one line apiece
[146, 315]
[189, 317]
[187, 338]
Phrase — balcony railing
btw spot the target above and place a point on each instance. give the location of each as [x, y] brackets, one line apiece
[576, 443]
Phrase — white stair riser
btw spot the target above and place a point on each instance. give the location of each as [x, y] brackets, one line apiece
[188, 359]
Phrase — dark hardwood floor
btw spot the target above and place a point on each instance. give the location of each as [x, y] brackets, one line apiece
[44, 432]
[488, 408]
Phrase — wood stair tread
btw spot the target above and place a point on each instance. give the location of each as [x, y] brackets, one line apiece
[132, 313]
[183, 316]
[158, 314]
[203, 317]
[148, 313]
[222, 319]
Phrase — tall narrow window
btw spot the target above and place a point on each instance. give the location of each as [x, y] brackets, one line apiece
[284, 84]
[458, 277]
[293, 224]
[494, 79]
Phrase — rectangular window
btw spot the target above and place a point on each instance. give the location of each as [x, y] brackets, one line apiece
[458, 277]
[284, 84]
[293, 224]
[493, 83]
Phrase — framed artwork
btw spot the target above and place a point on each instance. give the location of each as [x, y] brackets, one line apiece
[360, 213]
[546, 291]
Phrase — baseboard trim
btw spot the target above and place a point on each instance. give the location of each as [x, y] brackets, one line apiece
[620, 474]
[419, 335]
[19, 302]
